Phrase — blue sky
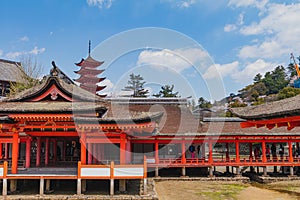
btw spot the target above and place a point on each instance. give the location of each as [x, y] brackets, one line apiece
[205, 48]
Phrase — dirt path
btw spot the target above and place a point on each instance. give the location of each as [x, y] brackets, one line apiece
[190, 190]
[254, 193]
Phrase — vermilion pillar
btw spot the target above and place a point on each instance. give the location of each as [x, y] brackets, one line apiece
[6, 151]
[28, 147]
[122, 148]
[47, 151]
[263, 146]
[210, 150]
[156, 152]
[83, 150]
[237, 151]
[183, 156]
[38, 152]
[1, 151]
[15, 153]
[250, 151]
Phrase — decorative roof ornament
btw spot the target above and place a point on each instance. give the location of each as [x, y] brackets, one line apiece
[53, 71]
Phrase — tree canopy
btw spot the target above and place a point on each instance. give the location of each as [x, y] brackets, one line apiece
[136, 84]
[166, 91]
[203, 103]
[288, 92]
[275, 80]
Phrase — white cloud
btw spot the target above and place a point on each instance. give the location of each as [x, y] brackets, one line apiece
[177, 60]
[217, 70]
[186, 4]
[24, 39]
[251, 69]
[100, 3]
[230, 27]
[248, 3]
[34, 51]
[181, 3]
[13, 55]
[266, 49]
[243, 75]
[279, 30]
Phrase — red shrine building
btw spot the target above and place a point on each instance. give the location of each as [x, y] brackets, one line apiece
[57, 125]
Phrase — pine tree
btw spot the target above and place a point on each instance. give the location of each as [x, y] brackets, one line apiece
[166, 91]
[136, 84]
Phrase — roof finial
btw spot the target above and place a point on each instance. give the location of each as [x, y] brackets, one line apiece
[89, 47]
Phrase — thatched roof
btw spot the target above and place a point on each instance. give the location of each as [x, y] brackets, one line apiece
[275, 109]
[11, 71]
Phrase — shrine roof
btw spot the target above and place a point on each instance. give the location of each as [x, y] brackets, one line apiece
[131, 118]
[63, 83]
[275, 109]
[10, 71]
[50, 107]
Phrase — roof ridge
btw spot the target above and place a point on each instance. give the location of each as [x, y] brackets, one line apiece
[10, 61]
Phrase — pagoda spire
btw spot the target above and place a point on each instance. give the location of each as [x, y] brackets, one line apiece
[89, 48]
[88, 74]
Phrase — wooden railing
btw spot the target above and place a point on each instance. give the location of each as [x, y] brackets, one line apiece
[112, 171]
[221, 161]
[21, 163]
[3, 170]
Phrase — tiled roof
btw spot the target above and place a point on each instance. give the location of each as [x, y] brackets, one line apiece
[132, 118]
[282, 108]
[50, 107]
[10, 71]
[73, 90]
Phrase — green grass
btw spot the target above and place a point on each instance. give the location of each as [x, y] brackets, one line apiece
[223, 191]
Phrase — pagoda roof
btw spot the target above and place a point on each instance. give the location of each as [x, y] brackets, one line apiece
[88, 70]
[276, 109]
[88, 79]
[89, 62]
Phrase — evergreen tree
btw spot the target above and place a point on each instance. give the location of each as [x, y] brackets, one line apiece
[203, 103]
[288, 92]
[166, 91]
[136, 84]
[275, 80]
[257, 78]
